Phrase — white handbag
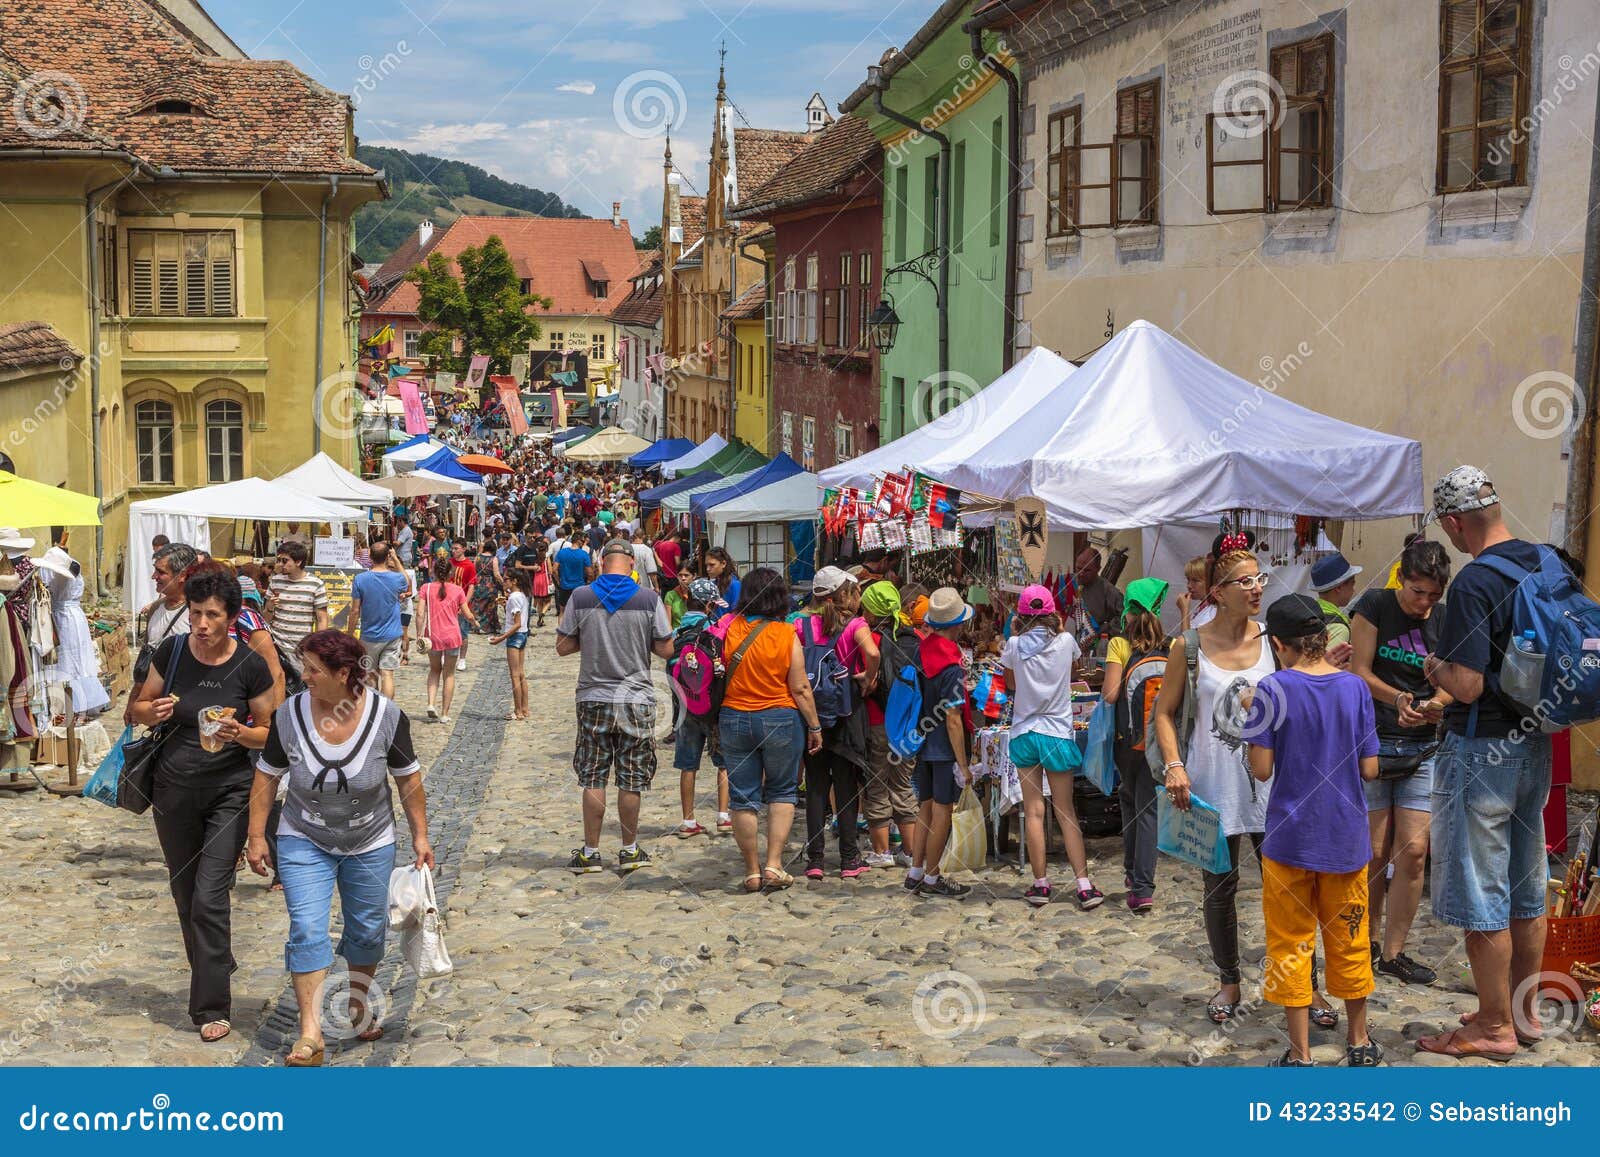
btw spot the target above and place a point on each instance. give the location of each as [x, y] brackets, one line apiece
[422, 944]
[409, 897]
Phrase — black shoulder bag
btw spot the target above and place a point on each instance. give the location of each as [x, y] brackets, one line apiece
[136, 786]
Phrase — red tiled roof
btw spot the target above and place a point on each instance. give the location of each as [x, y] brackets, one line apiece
[838, 152]
[26, 344]
[759, 153]
[692, 212]
[595, 268]
[752, 303]
[409, 254]
[553, 251]
[76, 74]
[642, 306]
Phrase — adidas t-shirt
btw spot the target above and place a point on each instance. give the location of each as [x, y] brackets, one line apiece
[1403, 643]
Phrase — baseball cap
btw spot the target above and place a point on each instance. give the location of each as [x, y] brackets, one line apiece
[830, 579]
[1036, 600]
[705, 591]
[1295, 616]
[616, 546]
[1458, 492]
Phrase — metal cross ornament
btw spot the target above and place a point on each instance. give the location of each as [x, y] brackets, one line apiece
[1031, 528]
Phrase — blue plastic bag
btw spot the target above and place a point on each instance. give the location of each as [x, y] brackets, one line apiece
[1193, 836]
[1099, 760]
[102, 784]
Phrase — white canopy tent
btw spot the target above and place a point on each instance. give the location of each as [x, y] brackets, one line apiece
[189, 515]
[679, 503]
[1020, 407]
[322, 477]
[1157, 434]
[786, 500]
[697, 457]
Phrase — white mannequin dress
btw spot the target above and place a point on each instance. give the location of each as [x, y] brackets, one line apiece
[77, 663]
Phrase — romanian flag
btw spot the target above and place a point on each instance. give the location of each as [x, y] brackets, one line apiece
[380, 342]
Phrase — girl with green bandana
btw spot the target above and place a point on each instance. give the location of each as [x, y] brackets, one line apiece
[1141, 638]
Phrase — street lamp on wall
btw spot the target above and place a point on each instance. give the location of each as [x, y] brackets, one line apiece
[883, 323]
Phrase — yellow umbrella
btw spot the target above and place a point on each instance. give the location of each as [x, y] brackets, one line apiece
[27, 503]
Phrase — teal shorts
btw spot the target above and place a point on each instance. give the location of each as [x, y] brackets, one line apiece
[1031, 749]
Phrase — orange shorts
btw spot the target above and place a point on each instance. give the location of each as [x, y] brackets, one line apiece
[1296, 902]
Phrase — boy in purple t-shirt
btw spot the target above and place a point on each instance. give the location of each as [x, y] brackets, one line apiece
[1312, 724]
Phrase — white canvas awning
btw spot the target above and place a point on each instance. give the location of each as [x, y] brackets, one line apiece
[322, 477]
[786, 500]
[700, 455]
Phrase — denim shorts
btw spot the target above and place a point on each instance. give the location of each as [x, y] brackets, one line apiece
[1487, 839]
[517, 641]
[935, 781]
[694, 737]
[1414, 791]
[763, 750]
[309, 875]
[1051, 752]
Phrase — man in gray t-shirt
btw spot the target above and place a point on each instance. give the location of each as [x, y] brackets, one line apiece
[614, 625]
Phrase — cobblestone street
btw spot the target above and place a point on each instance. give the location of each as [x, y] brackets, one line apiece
[673, 965]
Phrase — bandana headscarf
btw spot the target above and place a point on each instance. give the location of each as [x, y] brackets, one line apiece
[1145, 594]
[881, 600]
[917, 612]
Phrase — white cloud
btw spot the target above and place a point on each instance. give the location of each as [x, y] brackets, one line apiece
[581, 87]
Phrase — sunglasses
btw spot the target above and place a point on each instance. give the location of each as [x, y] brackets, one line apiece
[1249, 582]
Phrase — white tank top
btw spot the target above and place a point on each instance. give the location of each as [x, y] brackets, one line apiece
[1217, 767]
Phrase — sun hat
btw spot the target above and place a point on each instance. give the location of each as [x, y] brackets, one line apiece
[1329, 572]
[12, 539]
[829, 579]
[57, 560]
[704, 590]
[881, 600]
[946, 608]
[1458, 492]
[1036, 600]
[1294, 617]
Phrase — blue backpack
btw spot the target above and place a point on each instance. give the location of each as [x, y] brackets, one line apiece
[902, 708]
[830, 683]
[1552, 661]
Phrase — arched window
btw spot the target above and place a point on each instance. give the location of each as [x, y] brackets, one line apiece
[224, 441]
[152, 422]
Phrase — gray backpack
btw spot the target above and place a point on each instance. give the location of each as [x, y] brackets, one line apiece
[1191, 692]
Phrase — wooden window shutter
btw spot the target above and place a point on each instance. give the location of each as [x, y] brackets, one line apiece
[1285, 69]
[142, 273]
[195, 299]
[221, 255]
[830, 318]
[169, 273]
[1459, 33]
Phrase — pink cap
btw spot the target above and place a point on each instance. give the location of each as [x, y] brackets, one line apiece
[1036, 600]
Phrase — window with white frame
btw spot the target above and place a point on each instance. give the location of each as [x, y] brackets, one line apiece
[811, 300]
[224, 441]
[786, 318]
[152, 424]
[413, 342]
[597, 347]
[844, 442]
[754, 544]
[786, 432]
[557, 339]
[808, 441]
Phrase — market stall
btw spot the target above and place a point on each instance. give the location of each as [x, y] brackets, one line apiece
[768, 525]
[661, 451]
[694, 459]
[613, 444]
[407, 455]
[321, 477]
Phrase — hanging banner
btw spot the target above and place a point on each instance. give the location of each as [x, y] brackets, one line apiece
[444, 383]
[558, 409]
[1010, 568]
[416, 417]
[519, 368]
[1033, 534]
[512, 401]
[476, 369]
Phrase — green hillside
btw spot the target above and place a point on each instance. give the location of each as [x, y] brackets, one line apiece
[439, 190]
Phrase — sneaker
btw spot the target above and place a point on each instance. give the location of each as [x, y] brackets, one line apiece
[433, 712]
[814, 872]
[461, 664]
[946, 887]
[879, 860]
[903, 857]
[1406, 969]
[1090, 898]
[1037, 894]
[852, 869]
[690, 829]
[1140, 905]
[1287, 1061]
[631, 861]
[582, 864]
[1367, 1056]
[911, 885]
[444, 719]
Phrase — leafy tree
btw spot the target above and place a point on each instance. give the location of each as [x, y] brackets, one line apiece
[651, 238]
[484, 307]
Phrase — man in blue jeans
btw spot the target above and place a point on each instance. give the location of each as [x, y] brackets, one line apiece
[1490, 783]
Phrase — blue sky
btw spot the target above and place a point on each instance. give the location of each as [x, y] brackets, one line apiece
[569, 97]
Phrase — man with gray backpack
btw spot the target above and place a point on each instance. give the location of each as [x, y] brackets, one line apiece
[1517, 654]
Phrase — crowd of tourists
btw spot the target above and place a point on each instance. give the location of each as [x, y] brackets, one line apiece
[1340, 738]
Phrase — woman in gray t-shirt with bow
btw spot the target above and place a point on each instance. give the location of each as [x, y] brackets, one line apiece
[338, 743]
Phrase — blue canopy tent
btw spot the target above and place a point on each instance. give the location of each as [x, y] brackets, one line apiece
[651, 498]
[444, 463]
[664, 450]
[570, 433]
[417, 440]
[778, 469]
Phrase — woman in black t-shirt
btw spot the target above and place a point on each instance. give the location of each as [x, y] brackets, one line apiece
[201, 795]
[1392, 632]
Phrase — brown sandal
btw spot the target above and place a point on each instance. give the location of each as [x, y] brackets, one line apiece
[312, 1059]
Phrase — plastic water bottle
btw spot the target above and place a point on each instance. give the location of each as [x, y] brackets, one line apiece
[1522, 673]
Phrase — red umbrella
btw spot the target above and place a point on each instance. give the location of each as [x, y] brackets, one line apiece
[483, 464]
